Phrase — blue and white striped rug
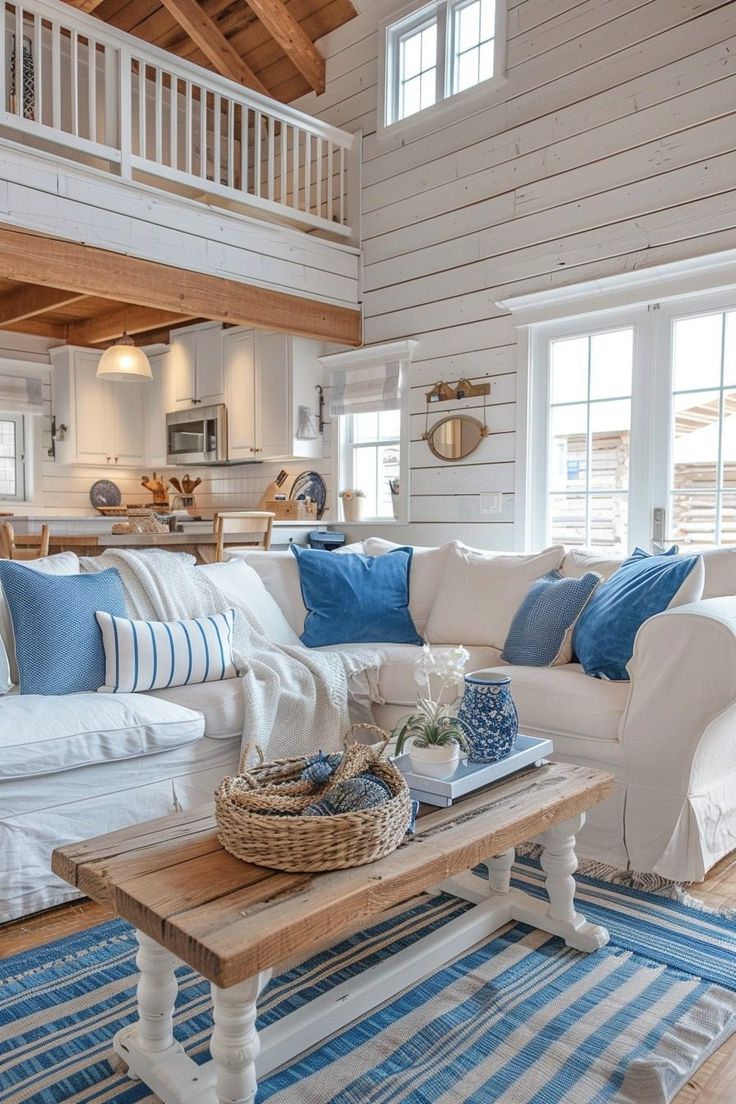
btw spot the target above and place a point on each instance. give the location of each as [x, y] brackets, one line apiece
[520, 1019]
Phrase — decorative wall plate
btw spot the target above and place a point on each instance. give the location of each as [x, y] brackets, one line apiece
[105, 493]
[310, 484]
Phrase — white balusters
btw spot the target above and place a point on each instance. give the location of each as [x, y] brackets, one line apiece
[97, 90]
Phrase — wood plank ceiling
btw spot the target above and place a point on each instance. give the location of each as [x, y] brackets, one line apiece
[267, 45]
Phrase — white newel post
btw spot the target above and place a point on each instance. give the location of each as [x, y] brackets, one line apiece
[157, 989]
[499, 871]
[235, 1043]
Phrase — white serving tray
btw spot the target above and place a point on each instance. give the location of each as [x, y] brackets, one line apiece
[528, 751]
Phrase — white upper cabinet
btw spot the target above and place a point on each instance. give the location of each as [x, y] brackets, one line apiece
[105, 421]
[267, 376]
[196, 365]
[160, 399]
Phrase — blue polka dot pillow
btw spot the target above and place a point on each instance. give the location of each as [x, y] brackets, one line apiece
[542, 627]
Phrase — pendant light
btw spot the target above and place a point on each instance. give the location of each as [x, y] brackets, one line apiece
[124, 361]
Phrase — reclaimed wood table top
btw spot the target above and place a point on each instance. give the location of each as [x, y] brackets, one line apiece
[229, 919]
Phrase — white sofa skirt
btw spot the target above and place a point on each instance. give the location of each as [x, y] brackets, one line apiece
[39, 814]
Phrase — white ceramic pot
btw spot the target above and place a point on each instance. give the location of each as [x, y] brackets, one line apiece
[352, 508]
[435, 762]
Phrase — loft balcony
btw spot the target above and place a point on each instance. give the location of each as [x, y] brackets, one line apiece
[81, 90]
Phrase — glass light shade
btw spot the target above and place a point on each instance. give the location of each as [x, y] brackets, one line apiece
[124, 361]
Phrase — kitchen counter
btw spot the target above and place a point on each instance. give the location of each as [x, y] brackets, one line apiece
[197, 543]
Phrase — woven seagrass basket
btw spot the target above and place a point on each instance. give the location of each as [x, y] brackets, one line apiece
[259, 819]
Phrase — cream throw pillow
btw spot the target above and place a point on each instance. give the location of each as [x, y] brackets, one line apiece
[481, 593]
[425, 575]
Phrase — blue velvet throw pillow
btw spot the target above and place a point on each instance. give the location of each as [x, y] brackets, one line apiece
[58, 642]
[541, 627]
[642, 587]
[356, 599]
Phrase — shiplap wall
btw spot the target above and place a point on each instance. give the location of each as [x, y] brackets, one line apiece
[610, 147]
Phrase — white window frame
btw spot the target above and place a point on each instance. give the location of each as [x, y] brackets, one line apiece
[348, 448]
[21, 440]
[650, 300]
[370, 355]
[449, 105]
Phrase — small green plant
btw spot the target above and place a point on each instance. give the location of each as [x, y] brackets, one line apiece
[434, 724]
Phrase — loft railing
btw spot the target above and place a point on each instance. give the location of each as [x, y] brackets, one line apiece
[106, 98]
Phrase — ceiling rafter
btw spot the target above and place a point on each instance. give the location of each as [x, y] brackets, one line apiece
[212, 42]
[293, 40]
[111, 324]
[28, 302]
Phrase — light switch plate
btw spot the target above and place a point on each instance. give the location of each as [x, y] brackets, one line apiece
[491, 502]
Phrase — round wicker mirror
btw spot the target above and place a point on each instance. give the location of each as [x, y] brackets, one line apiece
[455, 437]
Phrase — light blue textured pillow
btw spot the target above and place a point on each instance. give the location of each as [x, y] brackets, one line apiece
[58, 643]
[541, 628]
[642, 587]
[153, 655]
[355, 599]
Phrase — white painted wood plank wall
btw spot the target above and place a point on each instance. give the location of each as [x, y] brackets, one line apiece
[610, 147]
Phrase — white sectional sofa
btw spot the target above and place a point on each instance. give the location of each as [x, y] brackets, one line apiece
[669, 735]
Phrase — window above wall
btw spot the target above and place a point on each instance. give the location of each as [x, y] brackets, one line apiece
[438, 52]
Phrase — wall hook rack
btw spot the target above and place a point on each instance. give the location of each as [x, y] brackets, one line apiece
[321, 407]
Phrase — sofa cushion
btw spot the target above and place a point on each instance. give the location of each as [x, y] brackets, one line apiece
[641, 588]
[355, 598]
[426, 573]
[541, 631]
[63, 563]
[148, 655]
[58, 643]
[237, 579]
[44, 735]
[579, 561]
[280, 576]
[481, 593]
[720, 572]
[564, 700]
[220, 703]
[393, 680]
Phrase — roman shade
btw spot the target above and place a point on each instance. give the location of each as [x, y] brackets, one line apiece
[366, 388]
[21, 395]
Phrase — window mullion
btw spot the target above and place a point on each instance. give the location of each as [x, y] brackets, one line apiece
[720, 477]
[442, 87]
[588, 457]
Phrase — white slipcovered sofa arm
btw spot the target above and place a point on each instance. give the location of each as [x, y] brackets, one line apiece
[678, 733]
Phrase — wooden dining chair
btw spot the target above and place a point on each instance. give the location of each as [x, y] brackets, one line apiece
[30, 547]
[254, 526]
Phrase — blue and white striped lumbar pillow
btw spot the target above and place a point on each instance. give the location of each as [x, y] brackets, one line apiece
[151, 655]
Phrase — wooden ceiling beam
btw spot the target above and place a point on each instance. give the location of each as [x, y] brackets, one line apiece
[40, 259]
[293, 40]
[29, 301]
[38, 327]
[84, 5]
[213, 44]
[110, 325]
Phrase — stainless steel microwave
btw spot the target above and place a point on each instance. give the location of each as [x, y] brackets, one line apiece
[197, 435]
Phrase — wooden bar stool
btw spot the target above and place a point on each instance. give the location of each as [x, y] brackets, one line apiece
[254, 526]
[23, 547]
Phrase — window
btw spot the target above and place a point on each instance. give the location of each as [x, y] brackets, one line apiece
[444, 48]
[633, 428]
[372, 463]
[12, 477]
[369, 426]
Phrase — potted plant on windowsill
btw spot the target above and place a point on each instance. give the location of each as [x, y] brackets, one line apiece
[435, 738]
[353, 502]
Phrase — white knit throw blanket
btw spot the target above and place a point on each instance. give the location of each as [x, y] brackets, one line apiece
[296, 701]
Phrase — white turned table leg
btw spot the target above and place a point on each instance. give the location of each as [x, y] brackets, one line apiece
[157, 989]
[499, 871]
[235, 1043]
[559, 863]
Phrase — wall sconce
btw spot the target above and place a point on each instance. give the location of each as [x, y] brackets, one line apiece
[58, 433]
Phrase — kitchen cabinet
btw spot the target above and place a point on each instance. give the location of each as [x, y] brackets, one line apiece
[196, 365]
[267, 377]
[160, 399]
[105, 420]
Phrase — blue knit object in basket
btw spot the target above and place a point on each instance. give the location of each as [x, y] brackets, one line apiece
[321, 767]
[362, 791]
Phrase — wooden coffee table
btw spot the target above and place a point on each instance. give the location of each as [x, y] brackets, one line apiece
[192, 902]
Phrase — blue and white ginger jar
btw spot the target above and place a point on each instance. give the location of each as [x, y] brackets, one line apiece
[488, 716]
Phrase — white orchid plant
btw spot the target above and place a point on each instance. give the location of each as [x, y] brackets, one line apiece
[434, 722]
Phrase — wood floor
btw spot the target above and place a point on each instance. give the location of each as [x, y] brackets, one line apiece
[714, 1083]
